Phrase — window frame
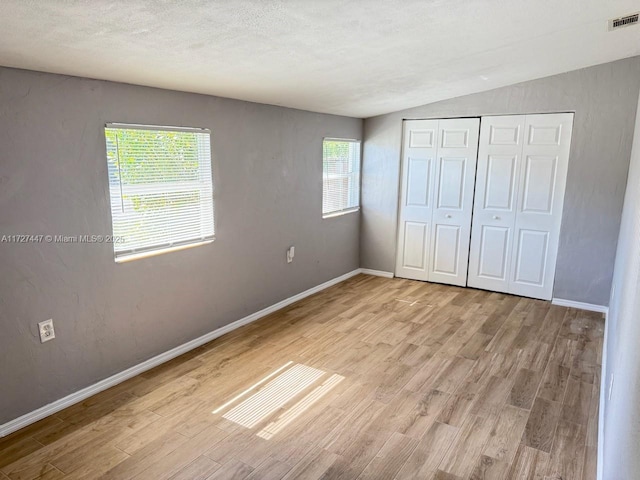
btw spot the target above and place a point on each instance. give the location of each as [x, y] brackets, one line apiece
[150, 251]
[344, 211]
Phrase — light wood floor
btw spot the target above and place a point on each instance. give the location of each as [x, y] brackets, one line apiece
[389, 378]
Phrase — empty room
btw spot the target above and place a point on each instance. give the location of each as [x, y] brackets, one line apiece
[296, 239]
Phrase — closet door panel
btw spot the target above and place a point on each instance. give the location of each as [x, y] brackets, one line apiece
[453, 200]
[416, 198]
[494, 243]
[494, 211]
[545, 160]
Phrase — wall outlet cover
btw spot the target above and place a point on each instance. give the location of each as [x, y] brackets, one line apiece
[46, 330]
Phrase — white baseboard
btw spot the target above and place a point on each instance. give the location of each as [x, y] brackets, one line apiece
[377, 273]
[603, 389]
[580, 305]
[603, 376]
[109, 382]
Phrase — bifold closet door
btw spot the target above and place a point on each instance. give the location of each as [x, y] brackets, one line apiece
[438, 171]
[494, 210]
[522, 171]
[414, 228]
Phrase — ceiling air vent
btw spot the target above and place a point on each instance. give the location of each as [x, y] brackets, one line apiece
[622, 22]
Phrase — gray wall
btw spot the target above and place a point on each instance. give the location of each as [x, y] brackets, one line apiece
[604, 100]
[622, 410]
[53, 180]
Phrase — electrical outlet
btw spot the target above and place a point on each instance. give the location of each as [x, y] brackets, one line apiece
[46, 330]
[291, 251]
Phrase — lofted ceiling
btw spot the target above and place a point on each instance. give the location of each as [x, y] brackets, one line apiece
[358, 58]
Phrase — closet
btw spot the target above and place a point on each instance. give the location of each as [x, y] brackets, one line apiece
[484, 210]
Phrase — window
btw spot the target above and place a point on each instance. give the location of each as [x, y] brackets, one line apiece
[160, 188]
[340, 176]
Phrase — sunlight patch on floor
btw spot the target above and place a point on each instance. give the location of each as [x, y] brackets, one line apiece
[252, 387]
[300, 407]
[277, 393]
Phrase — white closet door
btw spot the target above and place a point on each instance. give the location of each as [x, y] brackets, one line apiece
[545, 161]
[416, 198]
[522, 171]
[494, 211]
[454, 179]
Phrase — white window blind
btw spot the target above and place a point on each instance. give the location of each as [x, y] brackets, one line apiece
[340, 176]
[160, 187]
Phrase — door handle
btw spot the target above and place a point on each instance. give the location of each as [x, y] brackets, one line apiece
[495, 217]
[447, 215]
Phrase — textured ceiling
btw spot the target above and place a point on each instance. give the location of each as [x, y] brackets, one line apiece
[358, 58]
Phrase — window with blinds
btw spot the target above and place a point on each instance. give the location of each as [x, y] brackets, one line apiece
[340, 176]
[160, 187]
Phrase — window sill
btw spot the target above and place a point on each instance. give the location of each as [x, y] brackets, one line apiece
[153, 253]
[340, 213]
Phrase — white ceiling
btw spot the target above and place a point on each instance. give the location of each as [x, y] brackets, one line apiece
[351, 57]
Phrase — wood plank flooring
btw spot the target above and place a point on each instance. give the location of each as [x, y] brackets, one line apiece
[371, 379]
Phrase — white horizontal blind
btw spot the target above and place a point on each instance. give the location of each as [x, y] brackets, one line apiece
[161, 187]
[340, 175]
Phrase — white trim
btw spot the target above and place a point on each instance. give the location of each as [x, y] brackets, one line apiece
[42, 412]
[337, 139]
[603, 380]
[580, 305]
[603, 389]
[138, 126]
[337, 213]
[377, 273]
